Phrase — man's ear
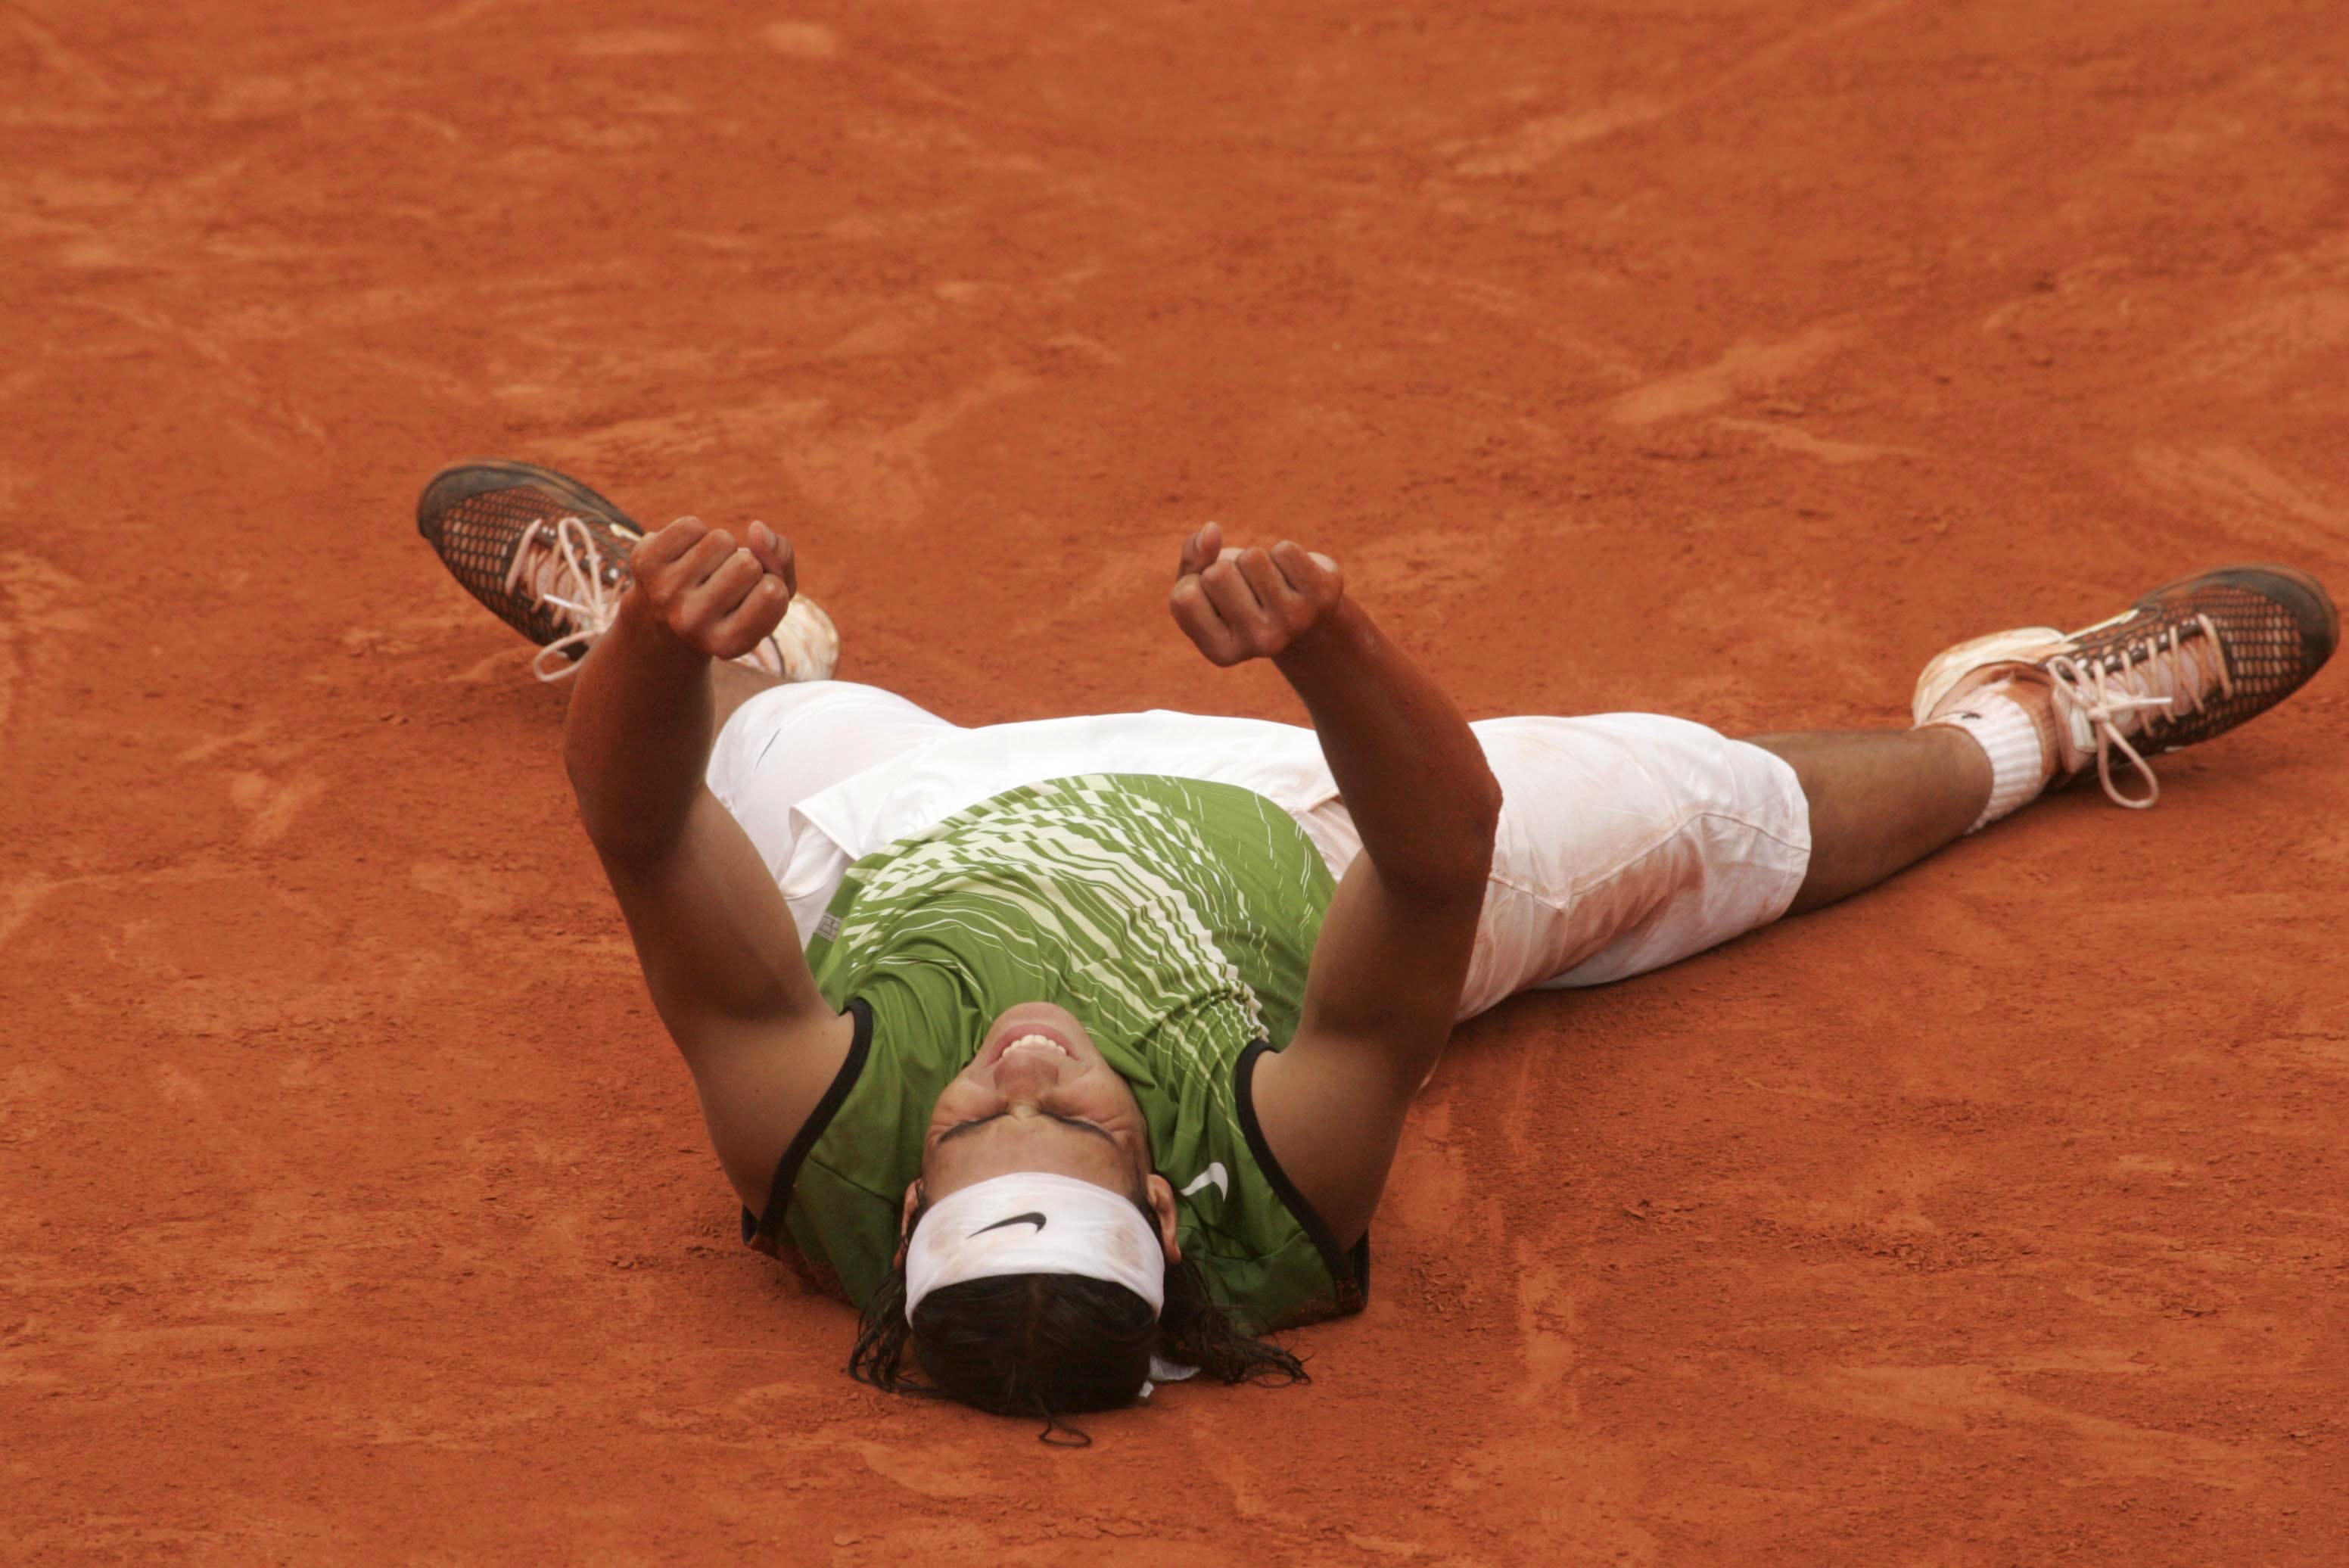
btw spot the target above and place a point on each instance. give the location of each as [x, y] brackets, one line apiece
[906, 1218]
[1162, 1203]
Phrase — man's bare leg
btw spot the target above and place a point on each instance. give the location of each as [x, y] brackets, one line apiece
[1880, 800]
[2007, 716]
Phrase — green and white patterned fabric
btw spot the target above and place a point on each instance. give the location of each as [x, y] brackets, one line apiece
[1176, 918]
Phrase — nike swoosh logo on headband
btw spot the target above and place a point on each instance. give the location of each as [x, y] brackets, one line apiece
[1030, 1218]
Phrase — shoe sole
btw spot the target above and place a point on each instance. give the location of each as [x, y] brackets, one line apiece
[461, 481]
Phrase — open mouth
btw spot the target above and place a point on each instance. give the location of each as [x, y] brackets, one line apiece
[1039, 1044]
[1048, 1042]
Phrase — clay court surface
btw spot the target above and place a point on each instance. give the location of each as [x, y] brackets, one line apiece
[1724, 357]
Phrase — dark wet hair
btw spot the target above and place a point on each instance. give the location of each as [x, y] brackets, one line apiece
[1047, 1345]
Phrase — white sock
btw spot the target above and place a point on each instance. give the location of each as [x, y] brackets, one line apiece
[2002, 727]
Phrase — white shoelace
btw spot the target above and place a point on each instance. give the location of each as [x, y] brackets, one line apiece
[565, 577]
[2167, 682]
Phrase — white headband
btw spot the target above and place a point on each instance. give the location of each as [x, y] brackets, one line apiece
[1033, 1222]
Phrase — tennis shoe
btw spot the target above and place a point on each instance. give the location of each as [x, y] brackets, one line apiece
[548, 557]
[2189, 661]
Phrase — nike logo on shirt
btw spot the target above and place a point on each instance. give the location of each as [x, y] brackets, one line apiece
[1213, 1173]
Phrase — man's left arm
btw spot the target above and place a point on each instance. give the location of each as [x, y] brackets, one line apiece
[719, 954]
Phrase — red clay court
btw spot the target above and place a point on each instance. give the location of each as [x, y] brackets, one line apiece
[1725, 359]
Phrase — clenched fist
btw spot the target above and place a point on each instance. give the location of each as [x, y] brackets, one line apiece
[714, 593]
[1243, 604]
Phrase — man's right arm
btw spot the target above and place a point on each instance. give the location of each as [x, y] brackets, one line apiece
[1397, 939]
[719, 954]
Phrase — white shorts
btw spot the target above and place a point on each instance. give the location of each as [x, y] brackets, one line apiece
[1627, 840]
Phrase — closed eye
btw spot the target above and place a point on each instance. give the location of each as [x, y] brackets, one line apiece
[1098, 1131]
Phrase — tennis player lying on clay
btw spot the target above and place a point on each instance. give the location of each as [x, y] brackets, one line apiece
[1075, 1052]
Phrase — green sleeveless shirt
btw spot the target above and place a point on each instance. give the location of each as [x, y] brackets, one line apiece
[1175, 918]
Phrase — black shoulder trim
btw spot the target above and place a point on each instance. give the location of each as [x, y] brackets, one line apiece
[1349, 1269]
[755, 1228]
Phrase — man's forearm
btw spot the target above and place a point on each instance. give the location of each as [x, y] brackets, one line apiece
[637, 740]
[1412, 775]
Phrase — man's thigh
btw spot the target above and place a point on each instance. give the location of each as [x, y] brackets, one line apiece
[793, 742]
[1627, 841]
